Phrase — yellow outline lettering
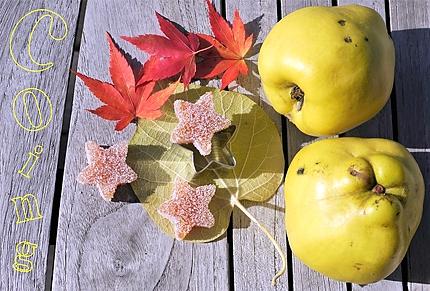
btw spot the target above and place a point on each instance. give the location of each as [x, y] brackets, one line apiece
[24, 250]
[47, 13]
[26, 208]
[33, 125]
[31, 161]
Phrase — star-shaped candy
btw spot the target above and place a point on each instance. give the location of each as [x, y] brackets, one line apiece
[198, 123]
[107, 168]
[188, 207]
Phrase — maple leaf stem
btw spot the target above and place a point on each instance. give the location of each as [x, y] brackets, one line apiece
[239, 205]
[204, 49]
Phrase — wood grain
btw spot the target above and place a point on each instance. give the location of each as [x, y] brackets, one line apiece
[17, 143]
[303, 277]
[115, 246]
[410, 25]
[255, 260]
[380, 126]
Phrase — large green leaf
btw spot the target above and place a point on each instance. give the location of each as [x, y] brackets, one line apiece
[256, 146]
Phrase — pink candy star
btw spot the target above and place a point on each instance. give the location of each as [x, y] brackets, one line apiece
[107, 168]
[198, 123]
[188, 207]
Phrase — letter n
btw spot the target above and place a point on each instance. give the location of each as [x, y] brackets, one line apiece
[26, 208]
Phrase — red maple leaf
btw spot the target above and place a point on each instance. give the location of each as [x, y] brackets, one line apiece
[124, 100]
[170, 55]
[230, 46]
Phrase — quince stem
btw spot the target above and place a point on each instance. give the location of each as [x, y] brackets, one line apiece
[239, 205]
[379, 189]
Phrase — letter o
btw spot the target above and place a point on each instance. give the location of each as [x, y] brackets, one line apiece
[32, 119]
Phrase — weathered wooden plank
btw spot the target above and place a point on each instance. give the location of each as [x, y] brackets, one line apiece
[303, 277]
[16, 225]
[255, 259]
[379, 126]
[410, 26]
[115, 246]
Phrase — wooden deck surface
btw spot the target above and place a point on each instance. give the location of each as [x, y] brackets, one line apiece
[85, 243]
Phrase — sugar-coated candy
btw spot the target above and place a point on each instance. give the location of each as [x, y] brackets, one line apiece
[188, 207]
[198, 122]
[107, 168]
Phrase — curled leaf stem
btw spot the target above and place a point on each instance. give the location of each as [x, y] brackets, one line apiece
[239, 205]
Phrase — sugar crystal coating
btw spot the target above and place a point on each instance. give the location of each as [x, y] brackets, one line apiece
[198, 123]
[188, 207]
[107, 168]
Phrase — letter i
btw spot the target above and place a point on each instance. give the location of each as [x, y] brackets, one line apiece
[31, 161]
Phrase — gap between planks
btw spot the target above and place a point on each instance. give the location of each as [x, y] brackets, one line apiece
[63, 144]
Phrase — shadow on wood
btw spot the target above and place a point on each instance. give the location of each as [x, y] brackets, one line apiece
[412, 101]
[125, 193]
[254, 27]
[134, 63]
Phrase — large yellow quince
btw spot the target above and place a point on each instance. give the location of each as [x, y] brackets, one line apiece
[353, 206]
[328, 69]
